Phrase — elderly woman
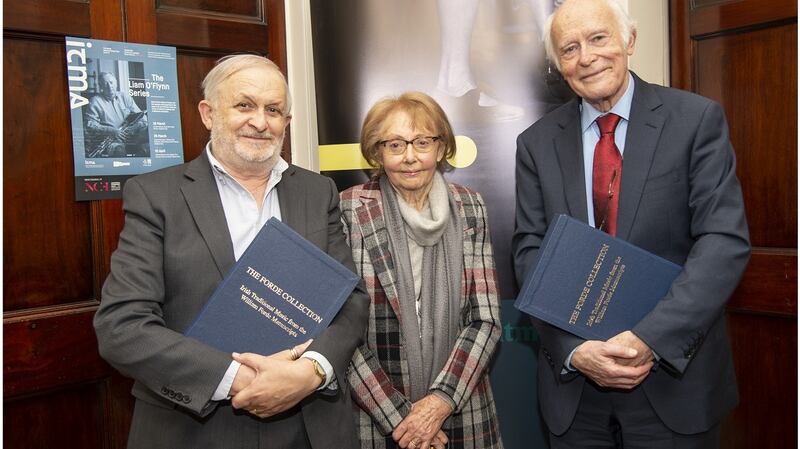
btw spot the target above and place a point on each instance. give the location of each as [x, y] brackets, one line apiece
[422, 247]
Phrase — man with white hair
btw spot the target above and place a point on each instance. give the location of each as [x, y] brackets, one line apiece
[653, 166]
[185, 227]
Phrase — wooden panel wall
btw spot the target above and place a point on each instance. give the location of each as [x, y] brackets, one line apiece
[743, 54]
[57, 391]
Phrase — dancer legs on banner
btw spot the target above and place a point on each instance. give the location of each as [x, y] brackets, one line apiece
[456, 19]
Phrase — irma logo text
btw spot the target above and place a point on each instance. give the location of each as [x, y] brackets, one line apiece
[76, 73]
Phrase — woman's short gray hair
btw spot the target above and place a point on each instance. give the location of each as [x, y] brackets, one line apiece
[625, 25]
[226, 66]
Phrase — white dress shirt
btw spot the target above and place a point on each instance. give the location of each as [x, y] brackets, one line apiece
[245, 218]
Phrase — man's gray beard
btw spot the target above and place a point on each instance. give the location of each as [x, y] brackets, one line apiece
[270, 158]
[274, 150]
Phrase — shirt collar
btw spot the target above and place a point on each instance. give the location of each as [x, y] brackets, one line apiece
[276, 173]
[623, 107]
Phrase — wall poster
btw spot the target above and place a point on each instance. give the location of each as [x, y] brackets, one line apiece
[125, 113]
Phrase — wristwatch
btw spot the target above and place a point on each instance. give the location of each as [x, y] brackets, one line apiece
[319, 371]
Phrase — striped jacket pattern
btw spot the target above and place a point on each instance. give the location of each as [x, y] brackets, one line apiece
[378, 374]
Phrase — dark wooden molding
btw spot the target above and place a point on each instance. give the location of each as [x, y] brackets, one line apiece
[48, 17]
[48, 351]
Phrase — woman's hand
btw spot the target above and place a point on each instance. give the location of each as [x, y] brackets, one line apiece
[421, 429]
[439, 441]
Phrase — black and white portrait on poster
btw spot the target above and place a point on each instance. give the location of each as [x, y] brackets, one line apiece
[115, 121]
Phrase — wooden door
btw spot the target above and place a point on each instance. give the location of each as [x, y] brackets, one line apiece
[57, 391]
[743, 54]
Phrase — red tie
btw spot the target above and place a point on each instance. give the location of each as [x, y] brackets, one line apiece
[606, 175]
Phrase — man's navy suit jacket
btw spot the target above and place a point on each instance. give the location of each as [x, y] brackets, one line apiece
[680, 199]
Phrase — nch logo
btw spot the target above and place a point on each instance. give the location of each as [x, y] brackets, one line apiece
[101, 186]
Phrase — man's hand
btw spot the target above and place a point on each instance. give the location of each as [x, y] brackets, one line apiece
[598, 360]
[629, 339]
[124, 133]
[280, 382]
[117, 133]
[244, 376]
[422, 427]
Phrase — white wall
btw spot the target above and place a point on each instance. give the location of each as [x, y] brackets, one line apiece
[651, 57]
[300, 59]
[650, 61]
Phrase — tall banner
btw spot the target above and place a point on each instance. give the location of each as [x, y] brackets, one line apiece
[483, 61]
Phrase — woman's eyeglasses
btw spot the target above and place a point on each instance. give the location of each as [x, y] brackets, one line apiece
[422, 144]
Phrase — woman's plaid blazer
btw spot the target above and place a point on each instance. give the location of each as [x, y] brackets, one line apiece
[378, 374]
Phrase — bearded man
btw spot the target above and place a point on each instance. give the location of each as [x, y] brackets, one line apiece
[185, 227]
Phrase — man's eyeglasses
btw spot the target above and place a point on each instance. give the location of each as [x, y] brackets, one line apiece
[422, 144]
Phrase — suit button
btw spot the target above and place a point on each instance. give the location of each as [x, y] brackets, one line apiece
[179, 396]
[171, 394]
[187, 399]
[164, 390]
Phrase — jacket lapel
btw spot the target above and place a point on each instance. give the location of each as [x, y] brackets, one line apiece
[644, 131]
[293, 207]
[376, 244]
[468, 244]
[201, 196]
[569, 150]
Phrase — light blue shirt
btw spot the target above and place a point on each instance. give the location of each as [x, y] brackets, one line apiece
[591, 135]
[245, 218]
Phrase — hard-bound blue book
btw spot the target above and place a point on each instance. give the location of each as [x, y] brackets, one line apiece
[592, 284]
[282, 291]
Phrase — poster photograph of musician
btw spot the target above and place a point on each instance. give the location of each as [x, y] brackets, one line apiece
[123, 100]
[115, 120]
